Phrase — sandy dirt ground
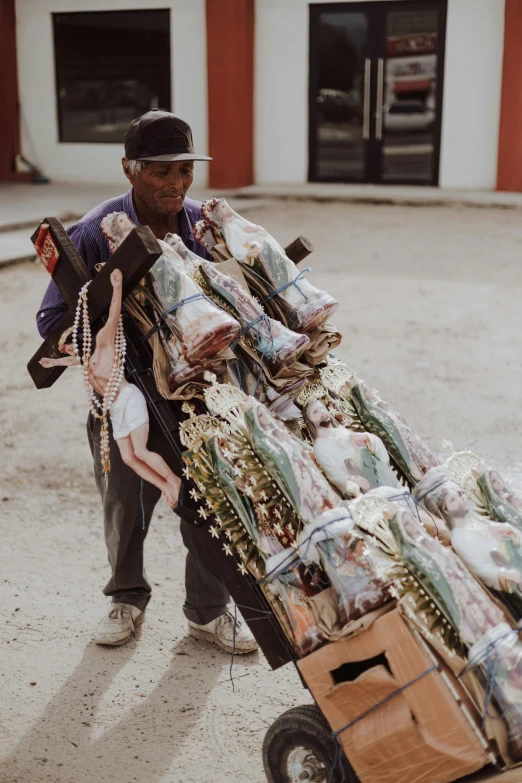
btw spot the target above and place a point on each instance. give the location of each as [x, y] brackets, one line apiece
[430, 312]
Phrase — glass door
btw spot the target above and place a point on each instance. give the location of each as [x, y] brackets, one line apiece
[410, 103]
[376, 73]
[340, 86]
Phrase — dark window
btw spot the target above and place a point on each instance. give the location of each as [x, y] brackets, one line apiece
[111, 66]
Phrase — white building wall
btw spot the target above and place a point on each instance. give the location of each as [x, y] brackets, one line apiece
[101, 163]
[471, 104]
[281, 91]
[472, 93]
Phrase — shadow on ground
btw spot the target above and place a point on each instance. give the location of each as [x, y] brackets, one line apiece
[124, 752]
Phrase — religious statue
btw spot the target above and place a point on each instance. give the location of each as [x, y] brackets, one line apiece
[457, 595]
[226, 477]
[484, 487]
[176, 244]
[353, 461]
[276, 345]
[491, 550]
[202, 328]
[289, 579]
[492, 645]
[433, 525]
[499, 500]
[306, 307]
[406, 449]
[103, 374]
[286, 460]
[351, 560]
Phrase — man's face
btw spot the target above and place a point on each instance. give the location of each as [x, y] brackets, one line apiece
[163, 186]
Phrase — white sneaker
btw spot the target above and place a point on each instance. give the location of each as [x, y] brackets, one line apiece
[221, 632]
[119, 624]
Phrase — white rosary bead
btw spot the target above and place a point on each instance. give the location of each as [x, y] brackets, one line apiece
[99, 409]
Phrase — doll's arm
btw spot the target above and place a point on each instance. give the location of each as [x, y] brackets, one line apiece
[107, 334]
[66, 361]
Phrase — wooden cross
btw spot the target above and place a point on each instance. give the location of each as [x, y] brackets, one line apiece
[135, 256]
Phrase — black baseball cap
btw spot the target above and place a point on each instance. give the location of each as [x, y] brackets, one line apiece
[160, 135]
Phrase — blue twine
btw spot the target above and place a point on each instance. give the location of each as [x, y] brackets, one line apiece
[416, 506]
[265, 612]
[490, 657]
[294, 554]
[266, 615]
[259, 318]
[388, 698]
[233, 648]
[262, 317]
[173, 310]
[328, 554]
[338, 761]
[429, 491]
[287, 285]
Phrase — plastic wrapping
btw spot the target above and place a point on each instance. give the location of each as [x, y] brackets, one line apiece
[351, 561]
[295, 584]
[491, 550]
[305, 306]
[407, 450]
[498, 655]
[494, 648]
[202, 330]
[353, 461]
[276, 344]
[433, 525]
[287, 462]
[499, 500]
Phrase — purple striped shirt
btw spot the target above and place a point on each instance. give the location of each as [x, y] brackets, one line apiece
[94, 249]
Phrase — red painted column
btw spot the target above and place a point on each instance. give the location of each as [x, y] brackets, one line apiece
[509, 176]
[230, 64]
[10, 145]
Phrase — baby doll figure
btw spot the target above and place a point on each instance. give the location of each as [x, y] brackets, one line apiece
[126, 405]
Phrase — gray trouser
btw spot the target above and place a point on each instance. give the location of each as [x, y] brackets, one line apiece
[128, 503]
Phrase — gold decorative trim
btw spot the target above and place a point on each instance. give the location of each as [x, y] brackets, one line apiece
[221, 398]
[312, 391]
[335, 376]
[196, 430]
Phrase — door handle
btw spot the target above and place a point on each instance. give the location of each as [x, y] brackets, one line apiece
[366, 99]
[380, 96]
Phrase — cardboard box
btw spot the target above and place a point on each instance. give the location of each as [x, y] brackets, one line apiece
[420, 735]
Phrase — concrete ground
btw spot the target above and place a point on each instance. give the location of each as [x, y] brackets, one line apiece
[430, 312]
[24, 206]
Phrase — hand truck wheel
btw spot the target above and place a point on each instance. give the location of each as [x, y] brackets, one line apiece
[299, 748]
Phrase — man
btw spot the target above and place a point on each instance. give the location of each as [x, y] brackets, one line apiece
[159, 164]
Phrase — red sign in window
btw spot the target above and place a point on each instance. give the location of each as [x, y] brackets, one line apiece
[415, 43]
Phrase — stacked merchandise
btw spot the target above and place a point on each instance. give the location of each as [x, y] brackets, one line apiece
[357, 534]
